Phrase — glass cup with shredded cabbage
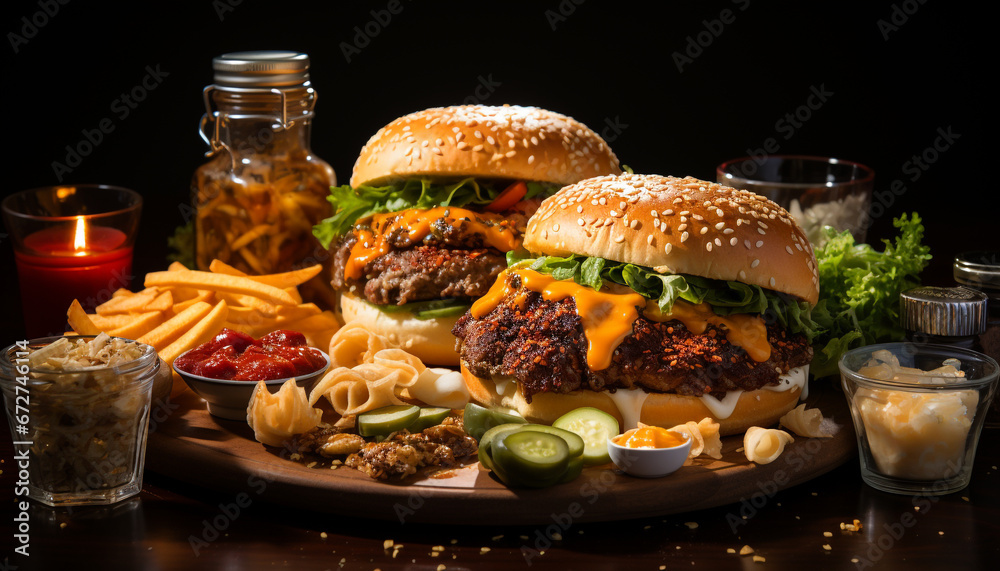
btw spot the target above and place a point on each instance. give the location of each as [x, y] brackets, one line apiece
[78, 408]
[918, 411]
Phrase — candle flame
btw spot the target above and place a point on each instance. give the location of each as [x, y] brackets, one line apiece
[80, 238]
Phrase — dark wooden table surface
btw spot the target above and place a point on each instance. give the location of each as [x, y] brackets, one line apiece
[173, 525]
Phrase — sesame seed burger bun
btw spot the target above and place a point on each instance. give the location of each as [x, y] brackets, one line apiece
[754, 408]
[681, 226]
[509, 141]
[429, 339]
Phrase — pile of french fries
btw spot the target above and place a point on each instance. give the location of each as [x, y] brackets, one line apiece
[179, 309]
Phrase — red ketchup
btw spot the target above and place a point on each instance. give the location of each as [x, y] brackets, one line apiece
[235, 356]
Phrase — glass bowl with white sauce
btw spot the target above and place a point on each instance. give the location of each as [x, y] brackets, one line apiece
[918, 410]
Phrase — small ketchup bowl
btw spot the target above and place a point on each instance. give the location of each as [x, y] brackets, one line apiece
[649, 462]
[229, 399]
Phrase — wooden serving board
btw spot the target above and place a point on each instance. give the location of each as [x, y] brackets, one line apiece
[200, 449]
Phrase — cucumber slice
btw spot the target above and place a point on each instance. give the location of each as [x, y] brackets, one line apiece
[387, 419]
[595, 427]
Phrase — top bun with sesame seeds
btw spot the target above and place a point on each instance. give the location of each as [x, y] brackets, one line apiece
[509, 141]
[437, 199]
[657, 299]
[678, 226]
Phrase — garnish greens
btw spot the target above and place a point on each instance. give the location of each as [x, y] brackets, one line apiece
[353, 204]
[725, 297]
[859, 290]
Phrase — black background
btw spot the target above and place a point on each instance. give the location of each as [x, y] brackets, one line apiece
[895, 76]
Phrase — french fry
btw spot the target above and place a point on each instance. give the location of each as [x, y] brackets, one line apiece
[168, 331]
[139, 325]
[283, 280]
[109, 322]
[162, 302]
[128, 303]
[220, 283]
[80, 321]
[176, 266]
[203, 295]
[199, 333]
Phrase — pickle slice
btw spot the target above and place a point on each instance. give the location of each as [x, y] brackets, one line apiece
[531, 458]
[477, 419]
[387, 419]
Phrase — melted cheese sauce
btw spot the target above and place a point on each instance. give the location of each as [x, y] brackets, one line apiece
[373, 241]
[608, 317]
[746, 331]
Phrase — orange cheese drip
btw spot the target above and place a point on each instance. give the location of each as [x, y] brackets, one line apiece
[373, 241]
[607, 317]
[743, 330]
[650, 437]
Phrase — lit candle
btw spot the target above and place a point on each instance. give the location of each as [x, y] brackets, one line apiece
[77, 261]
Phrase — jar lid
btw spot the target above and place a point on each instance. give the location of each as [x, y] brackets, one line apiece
[261, 69]
[947, 311]
[978, 269]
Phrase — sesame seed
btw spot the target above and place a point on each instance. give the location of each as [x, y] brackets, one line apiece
[477, 148]
[760, 243]
[789, 249]
[555, 227]
[531, 159]
[491, 140]
[668, 247]
[436, 151]
[653, 214]
[633, 223]
[580, 221]
[438, 142]
[720, 225]
[425, 143]
[733, 241]
[462, 145]
[478, 134]
[619, 238]
[704, 229]
[755, 263]
[708, 246]
[684, 236]
[771, 282]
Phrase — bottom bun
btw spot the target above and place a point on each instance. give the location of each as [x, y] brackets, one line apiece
[754, 408]
[429, 339]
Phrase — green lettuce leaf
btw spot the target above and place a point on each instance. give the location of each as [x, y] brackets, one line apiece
[860, 288]
[353, 204]
[725, 297]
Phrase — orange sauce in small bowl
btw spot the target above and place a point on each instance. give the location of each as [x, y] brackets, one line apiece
[650, 437]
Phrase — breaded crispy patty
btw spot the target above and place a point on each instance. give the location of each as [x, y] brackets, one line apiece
[541, 344]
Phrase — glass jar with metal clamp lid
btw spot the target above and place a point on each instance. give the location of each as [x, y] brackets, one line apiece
[262, 189]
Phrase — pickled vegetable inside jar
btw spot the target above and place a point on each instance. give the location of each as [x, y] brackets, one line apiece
[262, 189]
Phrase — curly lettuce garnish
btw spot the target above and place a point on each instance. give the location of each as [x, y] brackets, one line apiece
[352, 204]
[859, 290]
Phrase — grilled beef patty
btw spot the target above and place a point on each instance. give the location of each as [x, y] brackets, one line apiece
[541, 344]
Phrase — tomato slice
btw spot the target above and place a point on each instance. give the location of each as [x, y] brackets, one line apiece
[509, 197]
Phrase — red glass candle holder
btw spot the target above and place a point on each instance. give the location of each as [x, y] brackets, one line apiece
[70, 242]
